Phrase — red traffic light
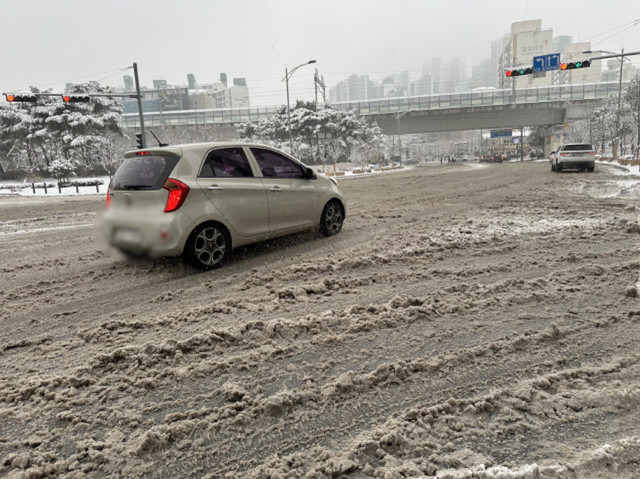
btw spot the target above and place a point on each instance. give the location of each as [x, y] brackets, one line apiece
[519, 71]
[575, 65]
[11, 98]
[76, 98]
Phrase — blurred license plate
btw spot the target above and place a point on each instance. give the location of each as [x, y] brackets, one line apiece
[130, 236]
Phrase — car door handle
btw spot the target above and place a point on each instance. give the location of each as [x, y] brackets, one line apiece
[214, 188]
[276, 188]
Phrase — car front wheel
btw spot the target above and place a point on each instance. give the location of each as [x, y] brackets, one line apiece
[332, 218]
[208, 246]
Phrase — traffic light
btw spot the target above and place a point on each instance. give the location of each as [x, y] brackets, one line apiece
[519, 71]
[139, 140]
[574, 65]
[11, 98]
[76, 98]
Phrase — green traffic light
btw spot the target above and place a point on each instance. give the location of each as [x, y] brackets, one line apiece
[578, 65]
[521, 72]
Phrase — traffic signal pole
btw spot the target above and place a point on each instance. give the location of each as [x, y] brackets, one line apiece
[135, 75]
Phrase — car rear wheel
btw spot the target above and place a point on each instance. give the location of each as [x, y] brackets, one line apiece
[558, 167]
[591, 169]
[332, 218]
[208, 246]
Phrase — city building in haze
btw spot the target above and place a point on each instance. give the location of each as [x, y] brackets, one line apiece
[612, 71]
[526, 40]
[191, 80]
[128, 83]
[165, 97]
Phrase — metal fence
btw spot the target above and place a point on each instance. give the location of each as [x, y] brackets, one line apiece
[547, 94]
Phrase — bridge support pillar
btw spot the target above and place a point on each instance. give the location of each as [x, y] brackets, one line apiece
[552, 139]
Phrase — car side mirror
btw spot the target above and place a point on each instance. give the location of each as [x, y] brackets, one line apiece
[309, 174]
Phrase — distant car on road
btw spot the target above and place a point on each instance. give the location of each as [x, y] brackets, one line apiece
[200, 200]
[573, 156]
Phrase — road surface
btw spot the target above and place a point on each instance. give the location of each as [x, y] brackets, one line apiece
[469, 319]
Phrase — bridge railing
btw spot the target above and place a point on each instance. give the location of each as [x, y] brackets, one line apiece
[545, 94]
[199, 117]
[576, 92]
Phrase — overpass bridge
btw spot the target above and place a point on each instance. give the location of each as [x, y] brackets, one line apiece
[508, 108]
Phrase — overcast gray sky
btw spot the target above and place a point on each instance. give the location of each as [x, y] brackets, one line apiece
[49, 42]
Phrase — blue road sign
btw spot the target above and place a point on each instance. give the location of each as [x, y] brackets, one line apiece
[500, 133]
[545, 63]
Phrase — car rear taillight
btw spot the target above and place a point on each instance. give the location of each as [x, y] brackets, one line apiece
[177, 194]
[564, 154]
[107, 203]
[592, 153]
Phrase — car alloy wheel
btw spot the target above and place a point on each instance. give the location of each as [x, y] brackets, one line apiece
[332, 219]
[208, 247]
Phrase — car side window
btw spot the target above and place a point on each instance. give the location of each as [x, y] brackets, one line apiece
[226, 162]
[274, 165]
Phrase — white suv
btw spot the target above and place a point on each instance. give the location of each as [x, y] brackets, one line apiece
[576, 156]
[201, 200]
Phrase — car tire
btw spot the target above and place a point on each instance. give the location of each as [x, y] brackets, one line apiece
[558, 167]
[208, 246]
[591, 169]
[553, 167]
[332, 218]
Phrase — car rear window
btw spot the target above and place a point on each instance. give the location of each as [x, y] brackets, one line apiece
[143, 172]
[584, 146]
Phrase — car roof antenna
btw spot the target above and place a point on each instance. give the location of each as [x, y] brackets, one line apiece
[159, 142]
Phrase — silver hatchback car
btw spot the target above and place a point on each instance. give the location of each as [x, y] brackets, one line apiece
[201, 200]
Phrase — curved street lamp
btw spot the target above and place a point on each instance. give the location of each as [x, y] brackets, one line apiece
[287, 75]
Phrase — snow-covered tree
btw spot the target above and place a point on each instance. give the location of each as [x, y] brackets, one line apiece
[616, 122]
[62, 169]
[320, 134]
[36, 134]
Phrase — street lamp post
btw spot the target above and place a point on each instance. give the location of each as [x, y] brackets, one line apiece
[287, 75]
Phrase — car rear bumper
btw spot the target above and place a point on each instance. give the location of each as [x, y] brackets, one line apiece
[577, 164]
[159, 235]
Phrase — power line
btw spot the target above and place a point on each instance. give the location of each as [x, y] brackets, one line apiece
[633, 23]
[637, 22]
[111, 72]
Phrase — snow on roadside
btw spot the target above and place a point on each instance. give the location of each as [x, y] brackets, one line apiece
[12, 188]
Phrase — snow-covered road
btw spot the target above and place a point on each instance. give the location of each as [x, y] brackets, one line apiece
[467, 322]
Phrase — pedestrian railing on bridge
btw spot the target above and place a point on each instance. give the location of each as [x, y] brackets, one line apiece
[547, 94]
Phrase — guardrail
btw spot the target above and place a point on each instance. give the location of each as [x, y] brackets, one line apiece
[567, 93]
[60, 185]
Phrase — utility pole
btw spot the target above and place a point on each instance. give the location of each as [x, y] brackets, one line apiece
[618, 139]
[139, 97]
